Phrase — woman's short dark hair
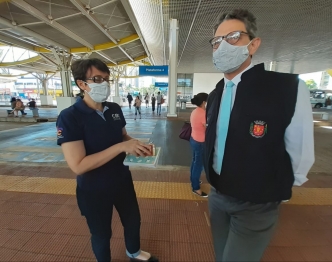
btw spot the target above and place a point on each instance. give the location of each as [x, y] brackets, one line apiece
[79, 68]
[199, 99]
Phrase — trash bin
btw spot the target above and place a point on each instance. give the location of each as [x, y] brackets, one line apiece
[34, 112]
[183, 105]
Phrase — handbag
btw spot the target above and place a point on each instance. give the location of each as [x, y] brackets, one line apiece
[185, 133]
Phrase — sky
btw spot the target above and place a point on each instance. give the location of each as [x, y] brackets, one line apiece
[315, 76]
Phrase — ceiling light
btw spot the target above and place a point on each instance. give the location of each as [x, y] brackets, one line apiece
[14, 23]
[327, 127]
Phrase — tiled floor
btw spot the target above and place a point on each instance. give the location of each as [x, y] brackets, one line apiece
[49, 227]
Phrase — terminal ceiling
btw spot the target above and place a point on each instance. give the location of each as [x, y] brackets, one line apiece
[295, 33]
[62, 30]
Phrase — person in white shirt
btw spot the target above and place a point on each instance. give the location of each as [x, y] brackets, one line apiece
[259, 141]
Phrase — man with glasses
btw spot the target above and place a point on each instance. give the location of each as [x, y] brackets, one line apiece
[259, 141]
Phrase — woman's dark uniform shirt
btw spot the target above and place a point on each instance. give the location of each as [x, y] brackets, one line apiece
[98, 131]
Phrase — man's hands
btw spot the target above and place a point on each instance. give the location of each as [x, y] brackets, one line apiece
[135, 147]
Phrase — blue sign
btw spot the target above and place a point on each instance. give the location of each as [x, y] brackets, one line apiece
[153, 70]
[163, 88]
[161, 84]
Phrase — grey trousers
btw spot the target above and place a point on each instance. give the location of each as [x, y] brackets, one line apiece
[241, 230]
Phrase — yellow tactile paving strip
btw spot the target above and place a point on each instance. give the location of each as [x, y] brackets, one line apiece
[147, 189]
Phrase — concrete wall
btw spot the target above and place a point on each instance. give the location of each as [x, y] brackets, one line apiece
[205, 82]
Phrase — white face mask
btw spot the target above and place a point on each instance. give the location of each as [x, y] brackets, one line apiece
[228, 58]
[99, 91]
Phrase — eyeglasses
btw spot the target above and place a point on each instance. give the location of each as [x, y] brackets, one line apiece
[231, 38]
[99, 79]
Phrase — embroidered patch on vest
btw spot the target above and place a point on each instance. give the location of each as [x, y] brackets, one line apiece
[258, 129]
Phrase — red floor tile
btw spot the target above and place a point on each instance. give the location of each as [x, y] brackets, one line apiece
[35, 224]
[202, 252]
[178, 217]
[49, 210]
[179, 233]
[7, 254]
[19, 222]
[24, 256]
[18, 240]
[37, 242]
[5, 235]
[180, 252]
[196, 218]
[75, 246]
[56, 244]
[290, 254]
[52, 225]
[200, 234]
[72, 226]
[316, 253]
[272, 254]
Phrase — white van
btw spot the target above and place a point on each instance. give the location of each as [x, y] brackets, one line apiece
[317, 98]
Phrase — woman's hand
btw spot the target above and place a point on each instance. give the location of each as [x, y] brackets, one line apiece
[135, 147]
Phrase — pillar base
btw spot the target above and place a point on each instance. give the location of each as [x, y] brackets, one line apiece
[117, 99]
[46, 100]
[64, 102]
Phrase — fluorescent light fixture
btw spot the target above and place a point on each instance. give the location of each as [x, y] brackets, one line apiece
[327, 127]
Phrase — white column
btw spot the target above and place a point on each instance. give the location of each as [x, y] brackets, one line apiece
[292, 67]
[273, 66]
[173, 63]
[67, 99]
[45, 99]
[116, 97]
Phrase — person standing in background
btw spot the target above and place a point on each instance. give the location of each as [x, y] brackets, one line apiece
[137, 106]
[130, 99]
[198, 126]
[153, 102]
[147, 100]
[159, 100]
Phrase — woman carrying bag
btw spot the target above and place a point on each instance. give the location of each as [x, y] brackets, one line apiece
[137, 106]
[198, 126]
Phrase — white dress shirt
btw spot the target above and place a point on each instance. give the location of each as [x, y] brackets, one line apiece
[299, 135]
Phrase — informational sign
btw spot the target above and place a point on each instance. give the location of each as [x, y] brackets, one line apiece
[161, 84]
[153, 70]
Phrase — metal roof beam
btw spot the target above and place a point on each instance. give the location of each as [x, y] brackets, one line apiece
[125, 62]
[36, 13]
[14, 42]
[22, 62]
[28, 32]
[93, 19]
[126, 5]
[106, 57]
[101, 5]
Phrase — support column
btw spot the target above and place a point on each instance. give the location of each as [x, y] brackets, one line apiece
[45, 99]
[116, 97]
[67, 98]
[273, 66]
[173, 63]
[292, 67]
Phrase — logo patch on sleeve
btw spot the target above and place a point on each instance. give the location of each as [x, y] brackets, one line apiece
[116, 117]
[258, 129]
[59, 132]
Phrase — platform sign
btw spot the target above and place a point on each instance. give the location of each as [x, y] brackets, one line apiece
[161, 84]
[153, 70]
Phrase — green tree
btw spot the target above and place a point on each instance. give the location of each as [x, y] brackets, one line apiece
[311, 84]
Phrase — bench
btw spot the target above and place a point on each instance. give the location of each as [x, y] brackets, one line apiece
[324, 115]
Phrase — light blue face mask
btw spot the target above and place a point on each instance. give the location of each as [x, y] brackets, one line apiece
[228, 58]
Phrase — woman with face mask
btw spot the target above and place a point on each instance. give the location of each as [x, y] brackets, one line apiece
[198, 126]
[94, 141]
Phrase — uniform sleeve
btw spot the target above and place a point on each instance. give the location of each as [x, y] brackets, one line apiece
[299, 136]
[68, 128]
